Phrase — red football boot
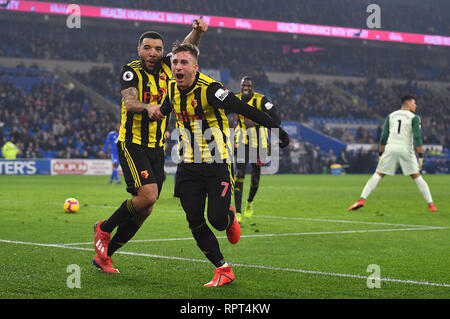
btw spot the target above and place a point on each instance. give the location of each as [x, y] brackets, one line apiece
[234, 231]
[105, 264]
[223, 276]
[357, 205]
[101, 241]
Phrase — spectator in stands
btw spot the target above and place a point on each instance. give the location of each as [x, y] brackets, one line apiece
[441, 166]
[318, 164]
[10, 150]
[344, 159]
[296, 156]
[331, 159]
[309, 149]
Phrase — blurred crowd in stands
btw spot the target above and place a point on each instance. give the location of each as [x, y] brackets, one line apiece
[224, 52]
[48, 119]
[416, 16]
[51, 121]
[304, 158]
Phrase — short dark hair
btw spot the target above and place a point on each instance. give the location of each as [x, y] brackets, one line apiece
[407, 98]
[151, 35]
[246, 78]
[181, 47]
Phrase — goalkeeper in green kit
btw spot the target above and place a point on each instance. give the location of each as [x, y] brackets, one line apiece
[401, 129]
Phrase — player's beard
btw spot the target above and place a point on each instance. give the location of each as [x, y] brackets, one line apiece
[155, 69]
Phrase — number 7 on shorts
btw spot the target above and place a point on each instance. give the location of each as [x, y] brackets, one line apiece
[225, 188]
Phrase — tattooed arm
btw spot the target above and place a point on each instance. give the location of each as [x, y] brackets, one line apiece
[198, 28]
[131, 100]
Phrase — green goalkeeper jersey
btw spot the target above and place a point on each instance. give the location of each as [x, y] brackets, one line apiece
[402, 128]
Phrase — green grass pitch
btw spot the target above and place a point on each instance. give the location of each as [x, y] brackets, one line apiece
[301, 243]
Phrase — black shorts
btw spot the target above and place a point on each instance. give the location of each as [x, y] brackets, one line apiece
[196, 182]
[141, 165]
[205, 178]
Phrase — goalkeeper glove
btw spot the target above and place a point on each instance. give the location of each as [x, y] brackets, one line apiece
[420, 161]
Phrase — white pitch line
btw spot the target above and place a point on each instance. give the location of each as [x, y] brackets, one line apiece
[157, 209]
[312, 272]
[276, 235]
[341, 221]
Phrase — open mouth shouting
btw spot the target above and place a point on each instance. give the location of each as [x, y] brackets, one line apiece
[179, 78]
[150, 64]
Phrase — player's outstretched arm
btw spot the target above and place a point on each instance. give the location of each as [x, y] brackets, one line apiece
[268, 108]
[198, 28]
[223, 98]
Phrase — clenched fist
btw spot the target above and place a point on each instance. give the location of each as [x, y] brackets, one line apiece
[199, 25]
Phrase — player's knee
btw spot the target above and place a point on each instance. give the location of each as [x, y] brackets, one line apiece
[218, 223]
[150, 198]
[195, 224]
[255, 181]
[240, 174]
[218, 220]
[148, 195]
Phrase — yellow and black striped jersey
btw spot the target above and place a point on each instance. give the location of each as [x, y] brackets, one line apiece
[253, 135]
[202, 127]
[152, 88]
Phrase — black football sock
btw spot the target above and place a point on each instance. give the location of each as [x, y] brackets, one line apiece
[124, 233]
[252, 193]
[256, 173]
[124, 212]
[208, 244]
[238, 188]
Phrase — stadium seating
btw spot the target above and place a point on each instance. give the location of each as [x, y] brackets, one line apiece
[397, 15]
[47, 120]
[223, 52]
[350, 111]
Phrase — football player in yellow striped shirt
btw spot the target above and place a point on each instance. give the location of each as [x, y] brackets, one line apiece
[205, 153]
[252, 140]
[141, 142]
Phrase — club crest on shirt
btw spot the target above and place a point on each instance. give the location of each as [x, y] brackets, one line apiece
[144, 174]
[194, 103]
